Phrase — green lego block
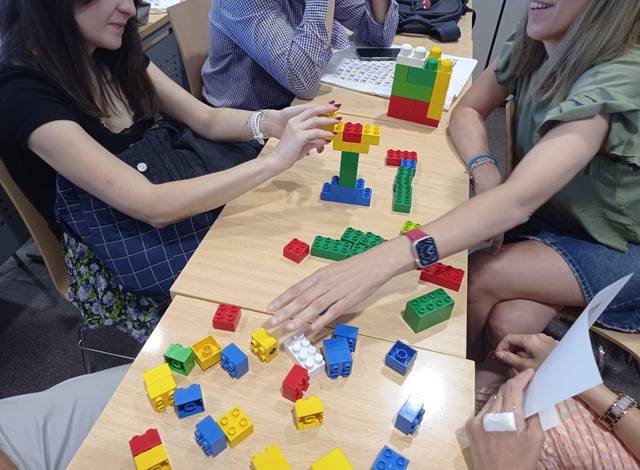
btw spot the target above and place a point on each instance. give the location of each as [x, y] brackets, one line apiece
[401, 73]
[371, 239]
[402, 199]
[426, 76]
[340, 250]
[358, 248]
[352, 235]
[427, 310]
[348, 169]
[321, 246]
[412, 91]
[179, 358]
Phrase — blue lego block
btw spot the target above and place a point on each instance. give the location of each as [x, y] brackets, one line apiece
[410, 416]
[363, 198]
[411, 164]
[210, 437]
[188, 401]
[400, 357]
[348, 332]
[234, 361]
[337, 357]
[389, 459]
[333, 192]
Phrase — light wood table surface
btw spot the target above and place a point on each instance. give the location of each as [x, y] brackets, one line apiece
[240, 260]
[156, 21]
[358, 411]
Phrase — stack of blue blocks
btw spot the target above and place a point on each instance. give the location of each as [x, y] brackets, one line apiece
[337, 357]
[333, 192]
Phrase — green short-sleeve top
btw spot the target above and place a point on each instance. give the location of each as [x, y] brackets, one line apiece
[603, 200]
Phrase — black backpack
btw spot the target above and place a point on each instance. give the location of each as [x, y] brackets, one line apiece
[439, 21]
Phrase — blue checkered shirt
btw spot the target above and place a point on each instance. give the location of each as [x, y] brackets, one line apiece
[262, 53]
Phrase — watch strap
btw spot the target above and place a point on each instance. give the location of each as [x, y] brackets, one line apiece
[617, 410]
[415, 234]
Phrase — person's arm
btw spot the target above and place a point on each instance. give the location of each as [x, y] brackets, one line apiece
[372, 21]
[68, 149]
[546, 169]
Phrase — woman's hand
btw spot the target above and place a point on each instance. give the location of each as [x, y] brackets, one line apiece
[274, 122]
[507, 450]
[336, 288]
[525, 351]
[486, 177]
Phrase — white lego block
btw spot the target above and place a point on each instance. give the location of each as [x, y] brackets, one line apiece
[412, 57]
[301, 351]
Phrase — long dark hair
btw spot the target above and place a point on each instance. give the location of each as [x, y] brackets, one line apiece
[43, 34]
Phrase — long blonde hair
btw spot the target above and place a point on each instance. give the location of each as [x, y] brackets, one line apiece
[605, 30]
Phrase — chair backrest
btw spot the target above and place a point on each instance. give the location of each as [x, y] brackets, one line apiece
[510, 116]
[40, 232]
[190, 22]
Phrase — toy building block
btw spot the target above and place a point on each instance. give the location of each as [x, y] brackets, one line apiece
[371, 239]
[331, 115]
[188, 401]
[389, 459]
[339, 250]
[359, 195]
[412, 57]
[352, 235]
[362, 195]
[334, 460]
[411, 91]
[408, 226]
[226, 317]
[443, 275]
[348, 332]
[308, 413]
[410, 416]
[371, 134]
[408, 109]
[440, 91]
[402, 199]
[425, 76]
[348, 169]
[350, 147]
[235, 426]
[271, 459]
[209, 436]
[357, 249]
[207, 352]
[155, 458]
[160, 387]
[295, 383]
[144, 442]
[234, 361]
[428, 310]
[410, 164]
[338, 357]
[394, 157]
[180, 359]
[264, 345]
[400, 357]
[435, 53]
[301, 351]
[296, 250]
[338, 130]
[321, 246]
[352, 132]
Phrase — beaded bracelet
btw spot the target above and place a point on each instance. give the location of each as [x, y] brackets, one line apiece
[480, 160]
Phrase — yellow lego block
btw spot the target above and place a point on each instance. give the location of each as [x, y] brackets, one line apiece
[334, 460]
[342, 146]
[155, 458]
[207, 352]
[236, 426]
[408, 226]
[435, 53]
[370, 134]
[270, 459]
[160, 387]
[333, 115]
[264, 345]
[440, 88]
[308, 413]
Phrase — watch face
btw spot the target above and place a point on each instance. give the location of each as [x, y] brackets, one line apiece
[426, 251]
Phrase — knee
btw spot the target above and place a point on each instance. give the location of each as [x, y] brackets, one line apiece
[484, 277]
[500, 322]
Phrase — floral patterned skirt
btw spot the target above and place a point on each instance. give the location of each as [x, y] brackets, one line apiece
[102, 300]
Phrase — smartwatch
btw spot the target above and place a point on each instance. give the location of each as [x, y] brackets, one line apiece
[424, 248]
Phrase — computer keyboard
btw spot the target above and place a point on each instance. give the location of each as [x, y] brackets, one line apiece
[371, 73]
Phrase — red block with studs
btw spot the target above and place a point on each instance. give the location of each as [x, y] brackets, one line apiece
[443, 275]
[295, 383]
[352, 133]
[144, 442]
[409, 110]
[226, 317]
[394, 156]
[296, 250]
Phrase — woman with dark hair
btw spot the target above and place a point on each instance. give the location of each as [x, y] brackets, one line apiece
[134, 194]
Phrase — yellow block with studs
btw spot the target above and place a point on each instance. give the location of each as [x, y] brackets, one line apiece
[207, 352]
[440, 88]
[408, 226]
[264, 345]
[353, 147]
[155, 458]
[160, 386]
[370, 134]
[308, 413]
[235, 426]
[334, 460]
[271, 459]
[331, 115]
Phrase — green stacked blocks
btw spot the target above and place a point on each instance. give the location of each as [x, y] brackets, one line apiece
[415, 83]
[349, 169]
[402, 191]
[428, 310]
[180, 358]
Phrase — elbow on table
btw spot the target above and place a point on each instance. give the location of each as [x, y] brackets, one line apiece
[306, 88]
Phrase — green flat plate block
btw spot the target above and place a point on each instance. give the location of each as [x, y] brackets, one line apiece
[340, 250]
[411, 90]
[352, 235]
[179, 358]
[371, 239]
[428, 310]
[357, 249]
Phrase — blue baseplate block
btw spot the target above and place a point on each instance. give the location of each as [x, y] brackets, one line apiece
[188, 401]
[337, 357]
[333, 192]
[234, 361]
[410, 416]
[389, 459]
[400, 357]
[348, 332]
[210, 437]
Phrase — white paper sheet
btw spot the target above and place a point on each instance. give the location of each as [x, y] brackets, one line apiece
[160, 6]
[570, 369]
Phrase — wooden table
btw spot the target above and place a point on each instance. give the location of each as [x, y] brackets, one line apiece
[156, 21]
[358, 410]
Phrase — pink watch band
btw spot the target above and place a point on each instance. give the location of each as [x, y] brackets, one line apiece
[415, 234]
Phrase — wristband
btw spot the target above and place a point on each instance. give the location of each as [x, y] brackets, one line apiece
[254, 125]
[480, 160]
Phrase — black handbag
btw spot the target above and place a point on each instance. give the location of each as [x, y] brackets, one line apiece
[439, 20]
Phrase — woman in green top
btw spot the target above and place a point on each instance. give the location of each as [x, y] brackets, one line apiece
[574, 195]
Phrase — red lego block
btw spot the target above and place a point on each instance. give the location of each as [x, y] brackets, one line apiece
[443, 275]
[432, 122]
[352, 132]
[296, 250]
[295, 383]
[409, 110]
[394, 156]
[226, 317]
[144, 442]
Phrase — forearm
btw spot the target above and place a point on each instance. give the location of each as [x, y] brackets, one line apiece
[379, 8]
[599, 399]
[468, 131]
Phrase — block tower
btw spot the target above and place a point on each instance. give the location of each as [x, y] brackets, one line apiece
[352, 139]
[420, 85]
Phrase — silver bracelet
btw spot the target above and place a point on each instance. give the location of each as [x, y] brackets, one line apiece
[254, 125]
[478, 160]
